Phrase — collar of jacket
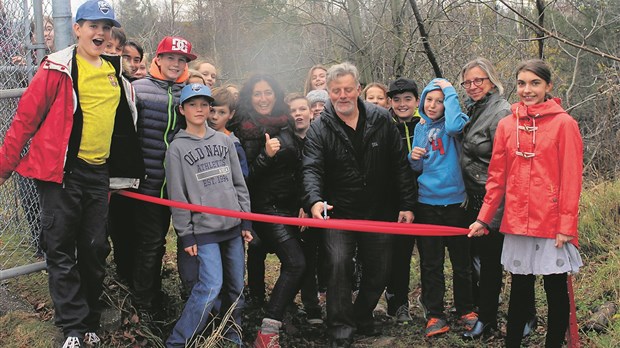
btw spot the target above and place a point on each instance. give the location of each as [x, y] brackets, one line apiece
[62, 61]
[156, 73]
[550, 107]
[373, 118]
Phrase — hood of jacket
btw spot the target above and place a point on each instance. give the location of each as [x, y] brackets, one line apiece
[429, 88]
[183, 134]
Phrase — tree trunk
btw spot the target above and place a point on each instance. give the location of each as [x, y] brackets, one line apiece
[424, 37]
[397, 22]
[355, 21]
[540, 7]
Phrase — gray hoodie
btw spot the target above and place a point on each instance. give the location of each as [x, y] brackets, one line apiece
[205, 171]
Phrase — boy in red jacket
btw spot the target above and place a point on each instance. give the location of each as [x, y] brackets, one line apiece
[83, 141]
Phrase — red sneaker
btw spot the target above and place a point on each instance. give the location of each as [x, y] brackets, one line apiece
[267, 340]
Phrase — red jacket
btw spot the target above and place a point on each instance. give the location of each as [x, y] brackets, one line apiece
[46, 113]
[542, 184]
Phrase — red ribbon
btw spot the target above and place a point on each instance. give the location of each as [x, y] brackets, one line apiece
[414, 229]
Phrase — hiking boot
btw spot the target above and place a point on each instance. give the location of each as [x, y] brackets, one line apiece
[402, 314]
[314, 316]
[91, 339]
[469, 320]
[436, 326]
[72, 342]
[267, 340]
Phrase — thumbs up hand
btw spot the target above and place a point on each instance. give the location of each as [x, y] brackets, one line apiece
[271, 145]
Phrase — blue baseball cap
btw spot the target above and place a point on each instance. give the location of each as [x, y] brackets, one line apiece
[195, 90]
[94, 10]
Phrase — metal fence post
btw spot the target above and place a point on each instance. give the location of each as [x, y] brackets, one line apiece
[63, 31]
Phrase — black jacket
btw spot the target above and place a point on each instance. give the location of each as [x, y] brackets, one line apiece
[158, 122]
[275, 181]
[478, 136]
[376, 188]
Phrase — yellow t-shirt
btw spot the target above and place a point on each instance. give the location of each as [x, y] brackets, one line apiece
[99, 95]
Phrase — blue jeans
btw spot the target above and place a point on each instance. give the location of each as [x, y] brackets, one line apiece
[220, 272]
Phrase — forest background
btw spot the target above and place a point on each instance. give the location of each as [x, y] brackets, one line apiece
[387, 39]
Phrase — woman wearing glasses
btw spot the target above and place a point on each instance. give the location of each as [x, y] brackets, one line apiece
[485, 106]
[536, 169]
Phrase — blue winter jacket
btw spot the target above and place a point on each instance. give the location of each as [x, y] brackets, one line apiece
[158, 122]
[440, 181]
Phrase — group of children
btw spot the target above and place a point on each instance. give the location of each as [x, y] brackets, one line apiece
[90, 133]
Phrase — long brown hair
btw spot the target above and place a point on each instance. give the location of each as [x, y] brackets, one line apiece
[308, 85]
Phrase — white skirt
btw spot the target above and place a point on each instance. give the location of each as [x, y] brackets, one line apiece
[539, 256]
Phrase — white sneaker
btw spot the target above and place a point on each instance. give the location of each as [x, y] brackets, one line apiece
[72, 342]
[91, 338]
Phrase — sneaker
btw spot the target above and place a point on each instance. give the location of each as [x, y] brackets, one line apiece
[267, 340]
[422, 307]
[91, 338]
[72, 342]
[469, 320]
[436, 326]
[314, 316]
[402, 314]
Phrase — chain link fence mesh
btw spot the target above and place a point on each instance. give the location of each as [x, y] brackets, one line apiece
[19, 202]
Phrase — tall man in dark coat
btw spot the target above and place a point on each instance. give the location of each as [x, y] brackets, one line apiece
[354, 162]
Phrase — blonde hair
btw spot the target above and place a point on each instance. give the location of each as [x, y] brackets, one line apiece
[195, 73]
[375, 85]
[486, 66]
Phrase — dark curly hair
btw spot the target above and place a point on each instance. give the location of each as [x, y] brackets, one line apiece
[246, 109]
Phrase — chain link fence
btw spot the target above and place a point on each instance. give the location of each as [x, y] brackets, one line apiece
[22, 46]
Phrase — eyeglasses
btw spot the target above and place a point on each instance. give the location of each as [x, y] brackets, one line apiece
[476, 82]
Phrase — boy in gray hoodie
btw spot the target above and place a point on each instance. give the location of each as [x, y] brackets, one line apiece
[202, 167]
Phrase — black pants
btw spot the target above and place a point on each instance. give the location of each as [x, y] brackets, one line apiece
[398, 282]
[74, 238]
[123, 234]
[432, 255]
[312, 242]
[257, 254]
[522, 299]
[151, 226]
[292, 268]
[487, 286]
[374, 251]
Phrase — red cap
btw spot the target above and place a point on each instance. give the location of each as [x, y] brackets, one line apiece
[176, 45]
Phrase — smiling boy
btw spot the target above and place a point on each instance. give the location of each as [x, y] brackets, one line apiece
[198, 175]
[158, 122]
[441, 193]
[83, 140]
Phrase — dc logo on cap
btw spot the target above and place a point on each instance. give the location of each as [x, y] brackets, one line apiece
[196, 87]
[179, 45]
[104, 7]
